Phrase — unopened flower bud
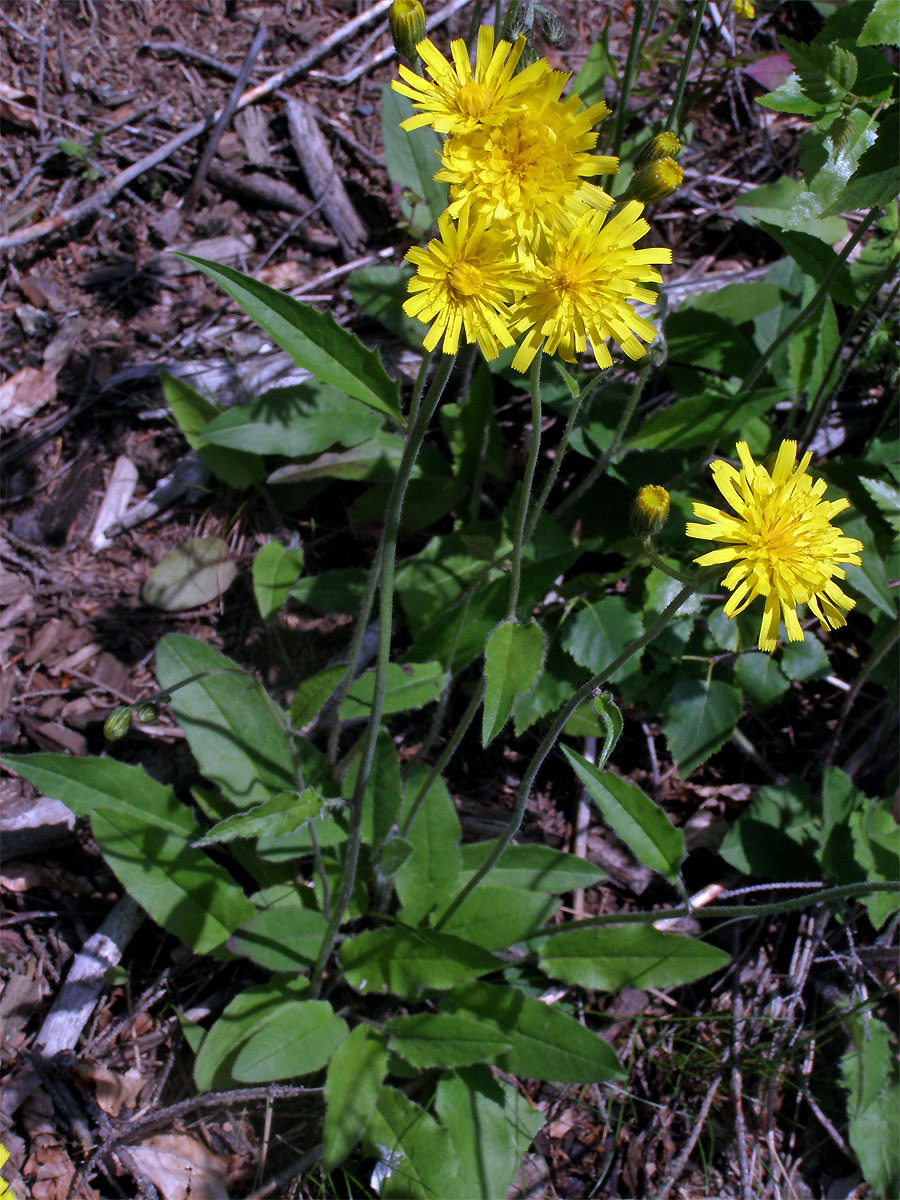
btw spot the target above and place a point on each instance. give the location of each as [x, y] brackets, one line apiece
[663, 145]
[655, 181]
[650, 510]
[147, 711]
[117, 723]
[743, 8]
[407, 22]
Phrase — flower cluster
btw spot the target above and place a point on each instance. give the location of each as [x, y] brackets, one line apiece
[525, 251]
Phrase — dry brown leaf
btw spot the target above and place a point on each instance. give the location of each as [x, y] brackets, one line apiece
[23, 394]
[182, 1168]
[113, 1090]
[18, 107]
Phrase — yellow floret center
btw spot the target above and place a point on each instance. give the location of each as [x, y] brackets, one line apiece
[466, 279]
[473, 98]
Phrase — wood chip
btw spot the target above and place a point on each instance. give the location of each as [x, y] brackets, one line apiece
[23, 394]
[324, 181]
[119, 492]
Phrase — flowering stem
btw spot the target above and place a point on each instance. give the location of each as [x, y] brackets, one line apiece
[446, 754]
[550, 737]
[560, 454]
[528, 479]
[599, 468]
[807, 311]
[845, 891]
[693, 38]
[817, 408]
[634, 46]
[388, 554]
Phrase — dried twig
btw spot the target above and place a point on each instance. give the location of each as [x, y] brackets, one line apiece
[324, 182]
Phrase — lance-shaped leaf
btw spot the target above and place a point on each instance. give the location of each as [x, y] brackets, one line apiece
[628, 956]
[314, 340]
[352, 1086]
[640, 823]
[410, 685]
[284, 813]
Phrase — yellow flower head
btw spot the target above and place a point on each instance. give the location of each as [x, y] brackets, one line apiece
[744, 9]
[781, 541]
[460, 100]
[579, 288]
[464, 281]
[530, 171]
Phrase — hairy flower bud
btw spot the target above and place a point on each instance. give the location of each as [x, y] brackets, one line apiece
[650, 509]
[655, 181]
[117, 723]
[147, 711]
[407, 22]
[663, 145]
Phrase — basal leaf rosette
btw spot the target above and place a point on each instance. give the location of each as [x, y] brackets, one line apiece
[780, 538]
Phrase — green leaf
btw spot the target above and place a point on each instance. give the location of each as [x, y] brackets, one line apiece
[420, 1162]
[598, 66]
[380, 291]
[413, 159]
[245, 1016]
[556, 683]
[285, 812]
[816, 259]
[144, 834]
[352, 1086]
[760, 678]
[491, 1125]
[192, 574]
[703, 420]
[313, 694]
[546, 1043]
[869, 1072]
[431, 873]
[276, 569]
[472, 432]
[513, 657]
[827, 72]
[875, 847]
[314, 340]
[640, 823]
[628, 956]
[283, 938]
[193, 414]
[830, 157]
[376, 459]
[384, 791]
[778, 836]
[405, 961]
[409, 685]
[294, 421]
[298, 1039]
[497, 917]
[881, 29]
[229, 721]
[787, 205]
[804, 660]
[698, 718]
[704, 339]
[810, 350]
[600, 632]
[876, 179]
[339, 590]
[531, 868]
[791, 98]
[439, 1040]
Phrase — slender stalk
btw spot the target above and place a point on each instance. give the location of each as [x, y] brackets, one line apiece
[561, 449]
[527, 480]
[602, 464]
[817, 408]
[621, 116]
[807, 311]
[368, 597]
[549, 740]
[693, 38]
[446, 754]
[726, 912]
[386, 609]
